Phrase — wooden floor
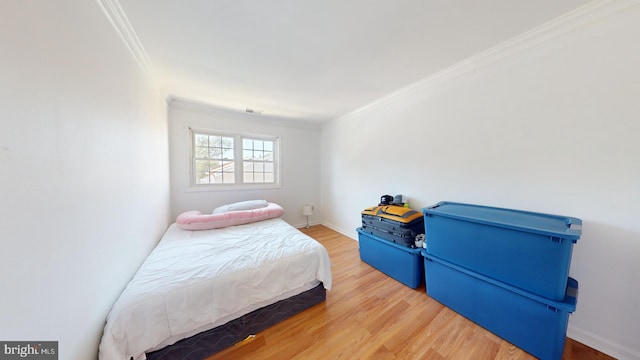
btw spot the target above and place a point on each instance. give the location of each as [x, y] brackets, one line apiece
[368, 315]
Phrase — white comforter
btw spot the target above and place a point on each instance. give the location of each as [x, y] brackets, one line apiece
[196, 280]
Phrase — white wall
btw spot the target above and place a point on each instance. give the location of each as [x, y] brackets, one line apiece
[547, 124]
[84, 193]
[299, 160]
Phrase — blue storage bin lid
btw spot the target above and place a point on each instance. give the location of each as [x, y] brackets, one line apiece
[553, 225]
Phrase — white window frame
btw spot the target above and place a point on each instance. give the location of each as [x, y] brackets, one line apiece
[237, 159]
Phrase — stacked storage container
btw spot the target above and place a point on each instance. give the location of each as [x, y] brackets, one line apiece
[387, 241]
[402, 263]
[507, 270]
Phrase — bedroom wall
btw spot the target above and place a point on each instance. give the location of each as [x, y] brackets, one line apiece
[299, 150]
[84, 192]
[547, 122]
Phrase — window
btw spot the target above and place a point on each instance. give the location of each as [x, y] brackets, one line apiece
[214, 159]
[257, 161]
[234, 160]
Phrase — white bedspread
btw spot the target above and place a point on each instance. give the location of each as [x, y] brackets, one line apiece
[196, 280]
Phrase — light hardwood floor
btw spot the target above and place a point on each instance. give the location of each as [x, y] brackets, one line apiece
[368, 315]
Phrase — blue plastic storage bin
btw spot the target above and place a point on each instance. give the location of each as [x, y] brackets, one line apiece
[533, 323]
[528, 250]
[399, 262]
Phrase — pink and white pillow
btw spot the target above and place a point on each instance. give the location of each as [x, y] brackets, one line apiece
[195, 220]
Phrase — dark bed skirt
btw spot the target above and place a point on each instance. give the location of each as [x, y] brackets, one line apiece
[207, 343]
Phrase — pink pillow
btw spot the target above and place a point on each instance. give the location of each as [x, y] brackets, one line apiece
[195, 220]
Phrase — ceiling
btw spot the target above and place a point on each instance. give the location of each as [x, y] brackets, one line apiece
[317, 60]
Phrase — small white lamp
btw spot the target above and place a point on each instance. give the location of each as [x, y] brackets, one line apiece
[307, 210]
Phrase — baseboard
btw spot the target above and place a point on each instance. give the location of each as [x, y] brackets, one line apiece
[301, 226]
[350, 234]
[601, 344]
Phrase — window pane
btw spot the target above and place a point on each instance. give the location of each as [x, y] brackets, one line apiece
[247, 166]
[202, 178]
[228, 176]
[215, 177]
[201, 140]
[227, 166]
[226, 142]
[258, 172]
[268, 145]
[268, 156]
[223, 173]
[247, 144]
[201, 152]
[227, 154]
[202, 166]
[215, 153]
[247, 154]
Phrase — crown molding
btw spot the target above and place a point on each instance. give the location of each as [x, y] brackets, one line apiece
[591, 14]
[120, 22]
[191, 105]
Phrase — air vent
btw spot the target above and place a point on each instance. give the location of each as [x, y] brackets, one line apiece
[253, 111]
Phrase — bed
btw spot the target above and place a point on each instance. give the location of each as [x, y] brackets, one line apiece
[202, 290]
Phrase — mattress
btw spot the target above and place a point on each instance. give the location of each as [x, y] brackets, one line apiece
[194, 281]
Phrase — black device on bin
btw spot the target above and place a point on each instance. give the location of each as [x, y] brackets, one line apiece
[385, 200]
